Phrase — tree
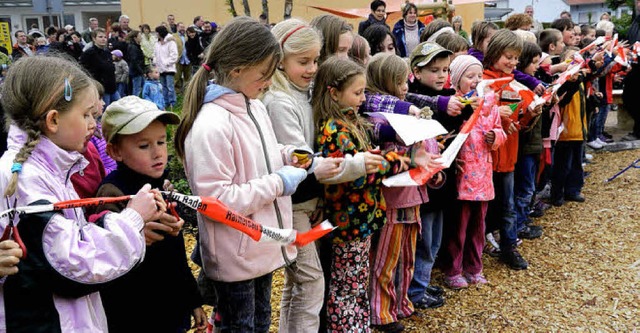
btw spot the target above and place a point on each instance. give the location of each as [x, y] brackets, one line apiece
[232, 8]
[288, 7]
[247, 10]
[624, 22]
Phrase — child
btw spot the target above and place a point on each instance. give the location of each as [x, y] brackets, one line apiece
[360, 51]
[551, 42]
[380, 39]
[136, 134]
[565, 26]
[152, 90]
[98, 140]
[500, 61]
[10, 252]
[69, 259]
[122, 72]
[387, 75]
[230, 152]
[337, 36]
[289, 108]
[455, 43]
[475, 187]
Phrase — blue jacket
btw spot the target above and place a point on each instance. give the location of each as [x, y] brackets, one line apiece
[152, 91]
[401, 43]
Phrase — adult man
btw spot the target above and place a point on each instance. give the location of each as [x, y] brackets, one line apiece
[565, 14]
[124, 26]
[171, 20]
[198, 22]
[86, 34]
[536, 26]
[207, 34]
[632, 82]
[21, 48]
[378, 16]
[183, 66]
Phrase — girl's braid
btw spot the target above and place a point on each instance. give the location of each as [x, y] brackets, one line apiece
[33, 137]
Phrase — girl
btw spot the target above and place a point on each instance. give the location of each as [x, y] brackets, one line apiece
[289, 108]
[230, 152]
[387, 75]
[336, 35]
[360, 51]
[69, 259]
[475, 188]
[357, 208]
[148, 43]
[380, 39]
[136, 62]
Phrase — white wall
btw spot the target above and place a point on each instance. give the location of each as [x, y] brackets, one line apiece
[543, 10]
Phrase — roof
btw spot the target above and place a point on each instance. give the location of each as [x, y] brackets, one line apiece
[584, 2]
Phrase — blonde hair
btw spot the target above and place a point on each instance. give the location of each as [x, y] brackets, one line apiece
[26, 104]
[232, 48]
[339, 74]
[452, 42]
[385, 72]
[295, 36]
[516, 21]
[330, 28]
[526, 36]
[504, 40]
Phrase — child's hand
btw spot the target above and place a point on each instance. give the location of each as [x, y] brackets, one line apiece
[167, 186]
[146, 203]
[505, 111]
[427, 160]
[454, 108]
[512, 128]
[10, 254]
[459, 165]
[414, 111]
[328, 167]
[475, 102]
[536, 111]
[372, 162]
[437, 180]
[490, 137]
[539, 90]
[199, 320]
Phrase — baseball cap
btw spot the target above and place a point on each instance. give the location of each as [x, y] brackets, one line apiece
[131, 115]
[117, 53]
[425, 52]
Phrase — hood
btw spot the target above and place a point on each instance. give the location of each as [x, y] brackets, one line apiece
[476, 53]
[214, 91]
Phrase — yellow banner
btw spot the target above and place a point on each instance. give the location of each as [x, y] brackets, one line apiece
[5, 36]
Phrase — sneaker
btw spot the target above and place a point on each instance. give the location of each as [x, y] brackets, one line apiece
[491, 247]
[429, 301]
[629, 137]
[594, 144]
[435, 290]
[604, 139]
[545, 193]
[475, 278]
[456, 282]
[601, 142]
[607, 135]
[390, 327]
[557, 202]
[514, 260]
[588, 157]
[575, 198]
[518, 242]
[530, 232]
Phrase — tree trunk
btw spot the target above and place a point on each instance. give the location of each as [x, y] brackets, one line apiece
[247, 10]
[265, 9]
[288, 7]
[232, 8]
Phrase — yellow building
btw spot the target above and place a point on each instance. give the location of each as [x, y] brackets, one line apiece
[155, 11]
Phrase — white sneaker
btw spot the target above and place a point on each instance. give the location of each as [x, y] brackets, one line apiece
[588, 157]
[594, 144]
[602, 143]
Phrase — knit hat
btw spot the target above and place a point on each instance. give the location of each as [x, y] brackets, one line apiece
[117, 53]
[459, 66]
[424, 53]
[131, 115]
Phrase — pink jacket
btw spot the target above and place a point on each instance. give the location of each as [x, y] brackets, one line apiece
[476, 182]
[165, 54]
[225, 158]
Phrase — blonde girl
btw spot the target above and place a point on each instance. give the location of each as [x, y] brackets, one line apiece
[49, 103]
[336, 34]
[230, 151]
[289, 107]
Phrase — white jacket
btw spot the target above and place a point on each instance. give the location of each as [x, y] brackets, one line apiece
[165, 54]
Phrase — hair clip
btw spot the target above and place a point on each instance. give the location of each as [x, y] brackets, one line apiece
[68, 91]
[16, 167]
[207, 67]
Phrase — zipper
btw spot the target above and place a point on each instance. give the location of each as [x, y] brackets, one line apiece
[267, 161]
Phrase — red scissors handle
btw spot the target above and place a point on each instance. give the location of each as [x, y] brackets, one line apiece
[11, 232]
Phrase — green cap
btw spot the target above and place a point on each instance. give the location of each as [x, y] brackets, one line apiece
[131, 115]
[425, 52]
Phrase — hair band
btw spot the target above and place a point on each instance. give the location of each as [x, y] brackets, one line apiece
[289, 35]
[16, 167]
[68, 91]
[207, 67]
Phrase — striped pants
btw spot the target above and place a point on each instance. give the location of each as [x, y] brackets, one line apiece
[395, 253]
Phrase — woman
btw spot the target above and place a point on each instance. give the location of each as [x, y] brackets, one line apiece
[99, 63]
[148, 43]
[407, 30]
[135, 61]
[457, 27]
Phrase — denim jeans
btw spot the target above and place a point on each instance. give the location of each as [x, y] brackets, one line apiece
[525, 186]
[110, 98]
[168, 89]
[567, 177]
[137, 82]
[502, 209]
[597, 123]
[122, 89]
[427, 247]
[245, 306]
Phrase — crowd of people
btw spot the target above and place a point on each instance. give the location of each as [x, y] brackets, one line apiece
[289, 131]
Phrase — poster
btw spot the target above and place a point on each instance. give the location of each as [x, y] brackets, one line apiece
[5, 36]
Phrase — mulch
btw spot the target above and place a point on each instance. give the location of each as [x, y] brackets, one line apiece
[584, 272]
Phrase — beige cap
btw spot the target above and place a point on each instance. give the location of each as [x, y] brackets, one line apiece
[424, 53]
[131, 115]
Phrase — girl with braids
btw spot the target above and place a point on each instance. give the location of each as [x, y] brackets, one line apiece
[69, 259]
[230, 151]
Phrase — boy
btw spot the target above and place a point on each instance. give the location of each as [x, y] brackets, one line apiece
[551, 42]
[152, 90]
[163, 285]
[565, 26]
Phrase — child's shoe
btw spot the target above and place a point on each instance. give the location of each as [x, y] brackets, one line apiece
[491, 246]
[394, 327]
[456, 282]
[475, 278]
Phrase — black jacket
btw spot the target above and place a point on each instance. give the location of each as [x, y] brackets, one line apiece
[135, 60]
[99, 63]
[193, 47]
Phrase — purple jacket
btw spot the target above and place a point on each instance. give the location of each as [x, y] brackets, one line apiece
[528, 80]
[68, 259]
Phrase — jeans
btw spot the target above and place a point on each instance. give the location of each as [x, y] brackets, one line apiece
[525, 186]
[502, 208]
[168, 89]
[110, 98]
[567, 177]
[598, 122]
[137, 82]
[122, 89]
[427, 247]
[245, 305]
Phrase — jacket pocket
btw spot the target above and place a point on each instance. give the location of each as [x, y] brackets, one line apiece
[242, 245]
